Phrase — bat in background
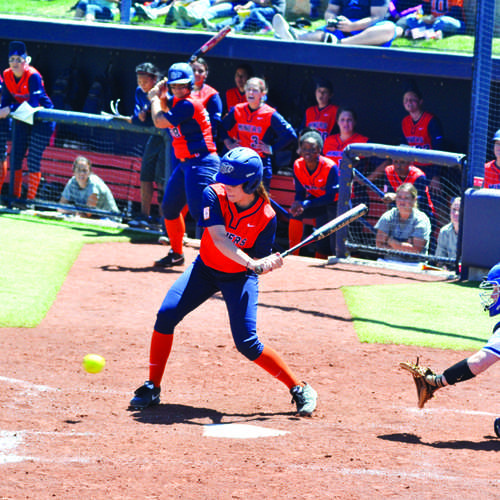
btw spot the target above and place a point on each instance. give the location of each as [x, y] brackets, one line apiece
[210, 44]
[327, 229]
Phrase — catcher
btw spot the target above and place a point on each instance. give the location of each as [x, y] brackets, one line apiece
[427, 382]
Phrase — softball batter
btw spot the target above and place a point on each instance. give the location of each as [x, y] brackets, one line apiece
[240, 229]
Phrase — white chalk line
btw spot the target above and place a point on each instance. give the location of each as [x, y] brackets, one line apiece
[427, 411]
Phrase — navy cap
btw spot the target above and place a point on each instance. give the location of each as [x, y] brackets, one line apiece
[17, 49]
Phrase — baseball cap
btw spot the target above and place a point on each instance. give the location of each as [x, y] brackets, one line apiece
[496, 137]
[17, 49]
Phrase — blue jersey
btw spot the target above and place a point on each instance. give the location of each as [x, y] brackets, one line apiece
[142, 103]
[358, 9]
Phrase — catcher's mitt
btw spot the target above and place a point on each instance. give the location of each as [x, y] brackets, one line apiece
[425, 390]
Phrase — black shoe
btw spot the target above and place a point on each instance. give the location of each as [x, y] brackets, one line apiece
[497, 427]
[170, 260]
[146, 395]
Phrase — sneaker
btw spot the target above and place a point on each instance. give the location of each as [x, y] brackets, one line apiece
[144, 12]
[497, 427]
[171, 16]
[209, 26]
[146, 395]
[281, 28]
[184, 14]
[170, 260]
[331, 38]
[305, 398]
[164, 240]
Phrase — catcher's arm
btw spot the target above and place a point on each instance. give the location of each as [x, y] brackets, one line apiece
[424, 379]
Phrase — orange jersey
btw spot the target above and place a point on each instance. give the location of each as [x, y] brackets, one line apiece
[323, 120]
[204, 94]
[233, 97]
[491, 175]
[315, 182]
[446, 7]
[20, 91]
[242, 228]
[251, 126]
[334, 146]
[417, 133]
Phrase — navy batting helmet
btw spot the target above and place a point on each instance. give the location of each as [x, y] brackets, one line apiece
[241, 166]
[490, 291]
[180, 73]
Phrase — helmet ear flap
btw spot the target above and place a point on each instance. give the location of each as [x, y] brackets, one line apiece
[251, 186]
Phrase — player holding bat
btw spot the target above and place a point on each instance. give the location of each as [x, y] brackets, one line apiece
[197, 161]
[240, 227]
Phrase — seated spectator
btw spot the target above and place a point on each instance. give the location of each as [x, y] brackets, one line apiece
[492, 168]
[158, 8]
[347, 23]
[316, 188]
[254, 16]
[404, 228]
[448, 235]
[441, 18]
[336, 143]
[86, 189]
[321, 116]
[236, 95]
[97, 10]
[399, 173]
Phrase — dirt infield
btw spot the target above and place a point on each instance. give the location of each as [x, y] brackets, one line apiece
[67, 434]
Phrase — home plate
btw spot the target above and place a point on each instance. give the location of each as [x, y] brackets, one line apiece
[240, 431]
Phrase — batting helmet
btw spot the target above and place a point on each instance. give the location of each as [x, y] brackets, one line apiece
[180, 73]
[490, 291]
[241, 166]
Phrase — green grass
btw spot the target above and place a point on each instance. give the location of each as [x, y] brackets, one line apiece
[35, 256]
[445, 315]
[60, 9]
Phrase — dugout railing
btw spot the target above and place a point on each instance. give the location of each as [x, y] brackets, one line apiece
[114, 147]
[358, 161]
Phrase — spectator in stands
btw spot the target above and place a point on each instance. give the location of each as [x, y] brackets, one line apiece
[492, 168]
[441, 18]
[321, 116]
[154, 159]
[347, 23]
[236, 95]
[97, 10]
[158, 8]
[4, 132]
[399, 173]
[336, 143]
[86, 189]
[256, 125]
[404, 228]
[194, 150]
[221, 9]
[254, 16]
[207, 95]
[24, 84]
[316, 188]
[448, 235]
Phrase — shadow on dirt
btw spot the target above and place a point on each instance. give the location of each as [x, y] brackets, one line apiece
[168, 414]
[491, 443]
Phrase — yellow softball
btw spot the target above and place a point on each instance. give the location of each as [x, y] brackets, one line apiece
[93, 363]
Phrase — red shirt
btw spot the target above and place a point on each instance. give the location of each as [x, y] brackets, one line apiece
[204, 94]
[251, 126]
[242, 228]
[233, 97]
[323, 120]
[334, 146]
[313, 182]
[491, 175]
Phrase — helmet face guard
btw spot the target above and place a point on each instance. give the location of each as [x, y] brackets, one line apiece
[489, 291]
